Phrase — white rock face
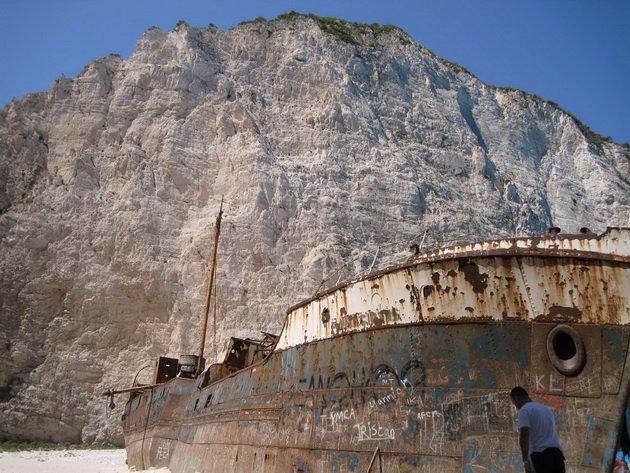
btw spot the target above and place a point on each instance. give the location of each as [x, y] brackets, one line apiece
[325, 150]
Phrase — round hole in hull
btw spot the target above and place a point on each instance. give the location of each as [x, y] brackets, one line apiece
[566, 351]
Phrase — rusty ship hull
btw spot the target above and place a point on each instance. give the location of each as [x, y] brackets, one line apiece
[409, 370]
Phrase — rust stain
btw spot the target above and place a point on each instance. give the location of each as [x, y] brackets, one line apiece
[478, 281]
[556, 310]
[414, 296]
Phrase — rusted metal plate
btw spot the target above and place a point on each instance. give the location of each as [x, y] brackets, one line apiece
[614, 352]
[612, 245]
[548, 380]
[594, 449]
[492, 460]
[551, 289]
[578, 290]
[589, 382]
[425, 395]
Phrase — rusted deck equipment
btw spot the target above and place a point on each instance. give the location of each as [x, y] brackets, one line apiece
[417, 361]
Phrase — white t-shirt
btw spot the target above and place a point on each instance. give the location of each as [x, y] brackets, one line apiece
[542, 426]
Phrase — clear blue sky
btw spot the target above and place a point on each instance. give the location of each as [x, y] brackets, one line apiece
[573, 52]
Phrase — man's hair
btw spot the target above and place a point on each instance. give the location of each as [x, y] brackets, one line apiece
[519, 392]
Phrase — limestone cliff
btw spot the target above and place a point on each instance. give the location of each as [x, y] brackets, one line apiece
[329, 140]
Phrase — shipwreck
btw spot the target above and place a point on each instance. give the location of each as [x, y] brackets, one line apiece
[409, 369]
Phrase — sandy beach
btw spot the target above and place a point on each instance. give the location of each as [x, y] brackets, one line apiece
[66, 461]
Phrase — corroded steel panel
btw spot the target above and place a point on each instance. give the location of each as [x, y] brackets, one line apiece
[578, 290]
[426, 395]
[588, 383]
[492, 460]
[460, 290]
[485, 288]
[614, 349]
[547, 379]
[594, 450]
[614, 244]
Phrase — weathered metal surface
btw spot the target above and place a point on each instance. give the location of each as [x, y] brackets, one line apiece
[160, 412]
[615, 342]
[419, 393]
[419, 364]
[553, 289]
[612, 245]
[353, 402]
[166, 369]
[547, 379]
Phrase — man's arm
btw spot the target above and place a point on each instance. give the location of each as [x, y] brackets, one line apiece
[524, 442]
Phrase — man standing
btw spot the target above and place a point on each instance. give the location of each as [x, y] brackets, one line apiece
[540, 447]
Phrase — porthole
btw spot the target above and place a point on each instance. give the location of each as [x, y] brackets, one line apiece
[566, 351]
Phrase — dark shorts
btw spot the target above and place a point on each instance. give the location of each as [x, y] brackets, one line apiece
[549, 461]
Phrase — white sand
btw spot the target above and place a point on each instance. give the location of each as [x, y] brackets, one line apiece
[66, 461]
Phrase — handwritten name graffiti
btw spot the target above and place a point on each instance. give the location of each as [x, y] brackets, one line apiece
[334, 421]
[403, 408]
[368, 431]
[575, 413]
[550, 383]
[434, 423]
[583, 384]
[164, 450]
[428, 415]
[400, 406]
[382, 401]
[410, 374]
[546, 398]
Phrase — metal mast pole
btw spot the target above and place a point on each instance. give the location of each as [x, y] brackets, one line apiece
[217, 230]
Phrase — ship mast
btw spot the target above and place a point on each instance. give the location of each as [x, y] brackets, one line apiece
[217, 230]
